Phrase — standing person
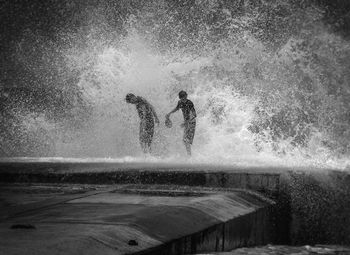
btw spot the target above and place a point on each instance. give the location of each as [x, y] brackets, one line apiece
[189, 124]
[147, 116]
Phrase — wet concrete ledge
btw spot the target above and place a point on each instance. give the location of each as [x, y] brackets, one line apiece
[117, 220]
[262, 180]
[314, 199]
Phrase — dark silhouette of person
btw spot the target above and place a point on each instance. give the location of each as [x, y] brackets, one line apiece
[189, 124]
[147, 116]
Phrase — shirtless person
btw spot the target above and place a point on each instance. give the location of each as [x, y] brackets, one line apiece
[190, 115]
[147, 116]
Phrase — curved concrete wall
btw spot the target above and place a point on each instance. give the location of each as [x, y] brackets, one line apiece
[313, 206]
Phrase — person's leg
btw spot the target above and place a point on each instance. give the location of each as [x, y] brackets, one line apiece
[150, 133]
[143, 136]
[149, 150]
[188, 137]
[188, 148]
[147, 136]
[144, 146]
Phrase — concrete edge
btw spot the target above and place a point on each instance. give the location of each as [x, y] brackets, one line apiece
[266, 183]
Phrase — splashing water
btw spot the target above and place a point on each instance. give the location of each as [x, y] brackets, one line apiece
[285, 104]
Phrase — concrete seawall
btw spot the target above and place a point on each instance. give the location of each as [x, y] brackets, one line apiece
[312, 205]
[265, 181]
[53, 219]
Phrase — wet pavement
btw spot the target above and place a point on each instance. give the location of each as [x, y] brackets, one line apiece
[87, 186]
[116, 219]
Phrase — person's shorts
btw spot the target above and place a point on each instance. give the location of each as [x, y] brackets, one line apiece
[146, 132]
[189, 131]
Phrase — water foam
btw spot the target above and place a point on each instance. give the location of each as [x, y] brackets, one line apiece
[251, 108]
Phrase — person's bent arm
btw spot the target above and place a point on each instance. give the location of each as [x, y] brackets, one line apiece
[174, 110]
[194, 115]
[154, 114]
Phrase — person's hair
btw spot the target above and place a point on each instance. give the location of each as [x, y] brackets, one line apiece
[182, 94]
[128, 97]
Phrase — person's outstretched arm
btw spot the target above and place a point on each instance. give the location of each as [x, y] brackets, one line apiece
[174, 110]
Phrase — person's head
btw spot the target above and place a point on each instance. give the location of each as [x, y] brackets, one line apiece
[182, 95]
[131, 98]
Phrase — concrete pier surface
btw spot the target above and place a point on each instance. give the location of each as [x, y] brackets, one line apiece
[307, 206]
[264, 180]
[129, 219]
